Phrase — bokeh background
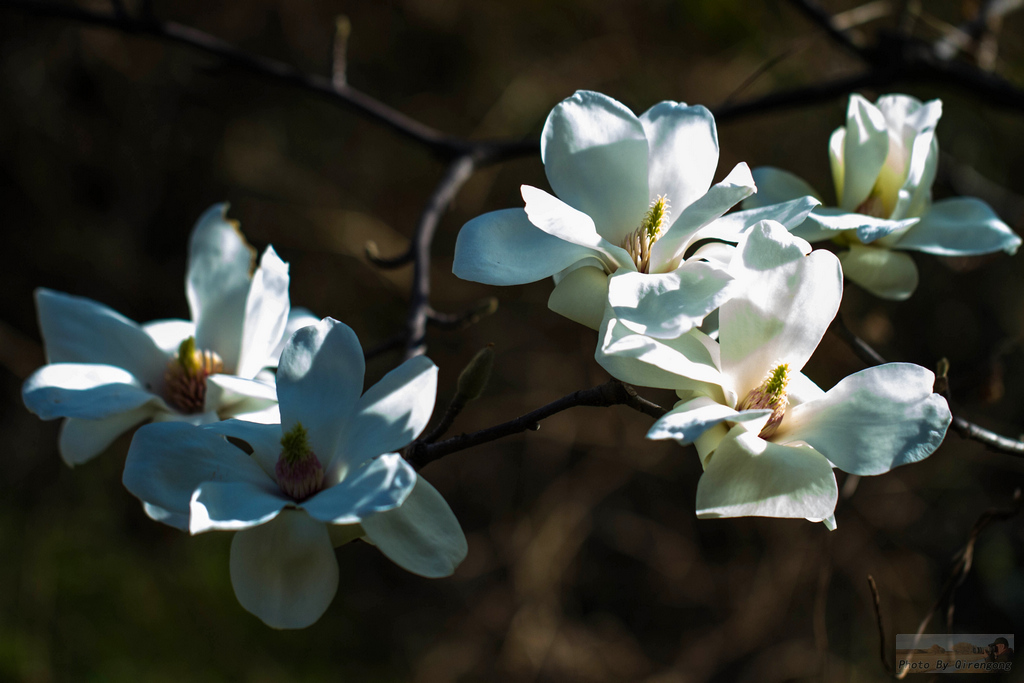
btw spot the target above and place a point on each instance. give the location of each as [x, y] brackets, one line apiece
[586, 562]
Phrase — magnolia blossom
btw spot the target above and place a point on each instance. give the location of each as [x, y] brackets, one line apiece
[106, 373]
[883, 165]
[327, 473]
[767, 436]
[633, 195]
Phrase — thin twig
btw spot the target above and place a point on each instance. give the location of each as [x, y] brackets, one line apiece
[877, 604]
[339, 51]
[460, 321]
[611, 393]
[395, 341]
[416, 324]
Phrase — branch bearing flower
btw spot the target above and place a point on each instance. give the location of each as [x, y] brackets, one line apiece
[328, 472]
[883, 165]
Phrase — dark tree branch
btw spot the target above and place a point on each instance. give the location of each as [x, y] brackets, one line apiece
[816, 13]
[611, 393]
[877, 604]
[395, 341]
[419, 305]
[460, 321]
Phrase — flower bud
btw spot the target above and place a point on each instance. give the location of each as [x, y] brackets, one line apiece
[474, 377]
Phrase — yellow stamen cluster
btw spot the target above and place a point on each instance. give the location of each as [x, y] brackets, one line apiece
[185, 377]
[639, 242]
[299, 472]
[770, 395]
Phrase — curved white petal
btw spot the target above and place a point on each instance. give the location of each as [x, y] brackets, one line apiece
[380, 484]
[266, 315]
[782, 308]
[884, 273]
[285, 571]
[581, 296]
[667, 305]
[219, 265]
[748, 476]
[168, 461]
[232, 505]
[422, 535]
[686, 422]
[505, 248]
[873, 420]
[825, 222]
[836, 144]
[298, 317]
[79, 330]
[319, 380]
[389, 415]
[731, 227]
[82, 440]
[961, 226]
[228, 395]
[561, 220]
[801, 389]
[595, 156]
[864, 150]
[84, 390]
[775, 186]
[916, 194]
[263, 439]
[168, 334]
[683, 151]
[681, 363]
[710, 206]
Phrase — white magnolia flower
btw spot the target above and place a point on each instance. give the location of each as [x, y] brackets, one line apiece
[633, 195]
[328, 472]
[107, 374]
[767, 436]
[883, 165]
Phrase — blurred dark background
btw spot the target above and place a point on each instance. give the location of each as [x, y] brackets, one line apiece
[586, 562]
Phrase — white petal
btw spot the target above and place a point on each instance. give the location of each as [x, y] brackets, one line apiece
[390, 414]
[505, 248]
[668, 305]
[378, 485]
[667, 251]
[595, 157]
[285, 571]
[731, 227]
[885, 273]
[84, 390]
[561, 220]
[266, 315]
[826, 222]
[219, 264]
[865, 148]
[781, 311]
[422, 535]
[168, 461]
[775, 186]
[82, 440]
[916, 194]
[228, 395]
[79, 330]
[801, 389]
[748, 476]
[686, 422]
[683, 151]
[297, 319]
[872, 421]
[168, 334]
[263, 439]
[581, 296]
[319, 380]
[680, 363]
[961, 226]
[232, 505]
